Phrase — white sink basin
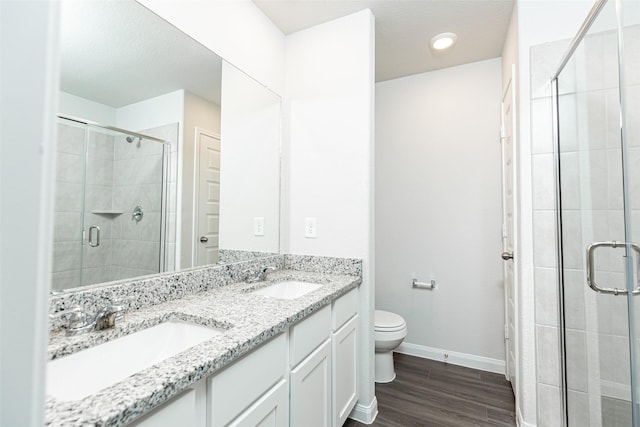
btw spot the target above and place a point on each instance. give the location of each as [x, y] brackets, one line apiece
[291, 289]
[88, 371]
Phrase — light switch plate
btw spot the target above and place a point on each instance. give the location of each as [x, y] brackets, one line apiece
[258, 226]
[310, 227]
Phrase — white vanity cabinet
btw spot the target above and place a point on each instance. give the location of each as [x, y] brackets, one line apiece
[250, 390]
[344, 356]
[310, 360]
[304, 377]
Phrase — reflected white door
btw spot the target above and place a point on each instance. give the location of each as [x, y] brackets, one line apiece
[507, 232]
[208, 198]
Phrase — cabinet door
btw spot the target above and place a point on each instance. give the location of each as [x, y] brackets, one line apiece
[271, 410]
[311, 389]
[345, 367]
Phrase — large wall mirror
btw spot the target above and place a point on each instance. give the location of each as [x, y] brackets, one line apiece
[168, 156]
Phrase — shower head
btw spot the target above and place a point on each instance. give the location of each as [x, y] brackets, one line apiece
[130, 139]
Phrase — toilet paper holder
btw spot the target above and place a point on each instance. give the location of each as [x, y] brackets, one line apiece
[422, 285]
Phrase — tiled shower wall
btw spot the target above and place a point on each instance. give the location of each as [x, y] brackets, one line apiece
[596, 324]
[119, 177]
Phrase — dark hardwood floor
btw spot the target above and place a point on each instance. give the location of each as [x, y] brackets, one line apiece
[430, 393]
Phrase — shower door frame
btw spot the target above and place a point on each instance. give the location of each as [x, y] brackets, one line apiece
[628, 244]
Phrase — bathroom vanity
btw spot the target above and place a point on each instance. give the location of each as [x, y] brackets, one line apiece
[281, 360]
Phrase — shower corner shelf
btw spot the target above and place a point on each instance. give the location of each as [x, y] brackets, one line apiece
[107, 211]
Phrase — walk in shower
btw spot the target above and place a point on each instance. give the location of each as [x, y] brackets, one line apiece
[597, 116]
[109, 204]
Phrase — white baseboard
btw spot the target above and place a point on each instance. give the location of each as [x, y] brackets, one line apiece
[365, 414]
[520, 421]
[462, 359]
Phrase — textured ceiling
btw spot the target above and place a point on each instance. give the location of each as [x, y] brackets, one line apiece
[118, 52]
[404, 28]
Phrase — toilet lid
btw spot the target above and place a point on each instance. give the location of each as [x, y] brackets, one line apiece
[387, 321]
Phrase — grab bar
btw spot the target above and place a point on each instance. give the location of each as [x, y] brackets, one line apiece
[591, 273]
[97, 243]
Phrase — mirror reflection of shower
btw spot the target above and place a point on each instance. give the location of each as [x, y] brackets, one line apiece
[103, 175]
[131, 139]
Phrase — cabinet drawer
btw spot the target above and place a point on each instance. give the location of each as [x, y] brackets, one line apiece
[235, 388]
[309, 334]
[344, 308]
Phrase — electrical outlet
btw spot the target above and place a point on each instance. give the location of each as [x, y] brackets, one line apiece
[258, 226]
[310, 227]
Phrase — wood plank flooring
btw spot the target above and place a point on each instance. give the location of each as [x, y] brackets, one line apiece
[429, 393]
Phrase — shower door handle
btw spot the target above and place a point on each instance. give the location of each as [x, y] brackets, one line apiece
[91, 242]
[591, 273]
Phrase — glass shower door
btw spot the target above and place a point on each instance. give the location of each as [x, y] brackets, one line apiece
[599, 250]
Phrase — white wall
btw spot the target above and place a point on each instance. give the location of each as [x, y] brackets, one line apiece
[234, 29]
[249, 164]
[29, 85]
[439, 211]
[328, 154]
[75, 106]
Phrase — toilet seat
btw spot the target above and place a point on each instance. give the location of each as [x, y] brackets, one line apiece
[385, 321]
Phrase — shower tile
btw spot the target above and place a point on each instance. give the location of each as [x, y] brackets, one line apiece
[568, 123]
[632, 114]
[70, 139]
[619, 311]
[544, 239]
[631, 54]
[612, 100]
[543, 181]
[578, 408]
[66, 256]
[65, 279]
[593, 68]
[633, 170]
[593, 177]
[548, 361]
[91, 276]
[68, 197]
[595, 103]
[572, 247]
[574, 288]
[607, 369]
[100, 145]
[541, 126]
[549, 406]
[98, 198]
[68, 227]
[99, 171]
[620, 346]
[603, 308]
[570, 181]
[546, 296]
[614, 176]
[576, 360]
[100, 256]
[69, 168]
[610, 59]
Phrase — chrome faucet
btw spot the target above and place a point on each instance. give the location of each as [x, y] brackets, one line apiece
[81, 322]
[260, 276]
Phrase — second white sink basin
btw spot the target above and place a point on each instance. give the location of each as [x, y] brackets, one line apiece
[290, 289]
[88, 371]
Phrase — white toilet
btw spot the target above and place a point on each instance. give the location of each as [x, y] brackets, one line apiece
[390, 331]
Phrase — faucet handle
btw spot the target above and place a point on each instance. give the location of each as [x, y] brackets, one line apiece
[119, 307]
[75, 310]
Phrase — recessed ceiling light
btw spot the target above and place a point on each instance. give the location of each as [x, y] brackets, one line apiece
[443, 41]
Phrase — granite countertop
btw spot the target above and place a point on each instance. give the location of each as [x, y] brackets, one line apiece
[247, 320]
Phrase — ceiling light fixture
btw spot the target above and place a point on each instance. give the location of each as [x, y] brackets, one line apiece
[443, 41]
